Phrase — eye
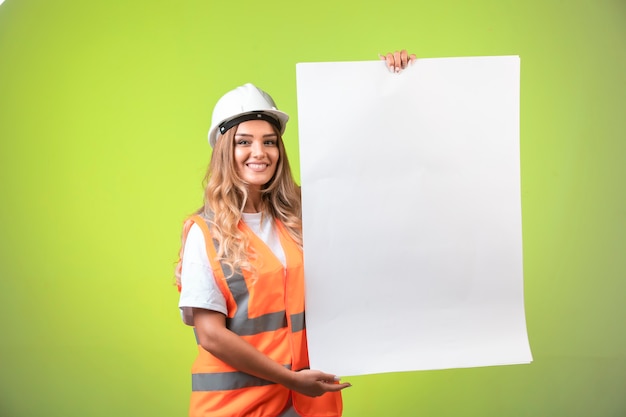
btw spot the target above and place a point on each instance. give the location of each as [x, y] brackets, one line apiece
[243, 142]
[270, 142]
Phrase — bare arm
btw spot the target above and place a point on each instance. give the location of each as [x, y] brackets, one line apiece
[235, 351]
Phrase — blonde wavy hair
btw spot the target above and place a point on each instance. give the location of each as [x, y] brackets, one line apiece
[225, 196]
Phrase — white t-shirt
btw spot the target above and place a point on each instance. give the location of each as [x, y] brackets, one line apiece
[199, 288]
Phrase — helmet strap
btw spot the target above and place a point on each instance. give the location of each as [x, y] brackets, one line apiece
[229, 124]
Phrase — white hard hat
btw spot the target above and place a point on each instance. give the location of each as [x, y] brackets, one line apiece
[246, 102]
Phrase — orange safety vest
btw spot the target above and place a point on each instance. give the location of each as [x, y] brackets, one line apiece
[268, 312]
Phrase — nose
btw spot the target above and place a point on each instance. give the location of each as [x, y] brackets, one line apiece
[257, 149]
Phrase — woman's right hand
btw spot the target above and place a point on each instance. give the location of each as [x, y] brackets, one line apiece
[315, 383]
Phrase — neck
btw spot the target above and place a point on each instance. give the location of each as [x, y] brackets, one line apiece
[253, 203]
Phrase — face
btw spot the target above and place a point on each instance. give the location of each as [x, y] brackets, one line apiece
[256, 152]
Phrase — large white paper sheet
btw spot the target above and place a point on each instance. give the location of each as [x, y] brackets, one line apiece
[412, 214]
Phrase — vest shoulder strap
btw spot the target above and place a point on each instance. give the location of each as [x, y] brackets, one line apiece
[211, 252]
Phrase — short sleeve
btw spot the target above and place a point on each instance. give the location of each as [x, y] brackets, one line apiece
[199, 288]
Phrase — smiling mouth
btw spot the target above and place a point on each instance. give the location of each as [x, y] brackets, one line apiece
[257, 167]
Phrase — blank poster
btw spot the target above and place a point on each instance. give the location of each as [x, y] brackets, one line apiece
[412, 214]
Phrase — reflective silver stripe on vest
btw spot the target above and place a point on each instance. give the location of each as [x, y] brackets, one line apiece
[245, 326]
[226, 381]
[297, 322]
[240, 323]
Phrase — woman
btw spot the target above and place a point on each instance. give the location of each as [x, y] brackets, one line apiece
[241, 274]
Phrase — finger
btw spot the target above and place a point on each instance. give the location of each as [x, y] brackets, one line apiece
[396, 58]
[336, 387]
[389, 58]
[384, 58]
[324, 377]
[412, 58]
[404, 58]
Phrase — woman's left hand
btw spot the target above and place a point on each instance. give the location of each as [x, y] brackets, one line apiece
[398, 60]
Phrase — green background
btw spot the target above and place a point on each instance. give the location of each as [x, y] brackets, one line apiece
[104, 109]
